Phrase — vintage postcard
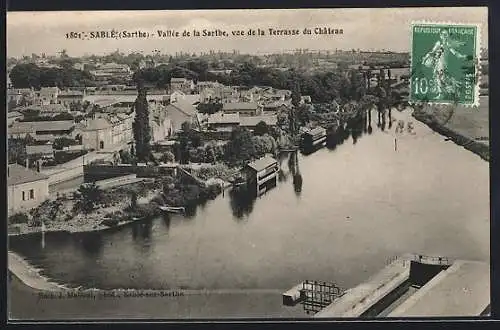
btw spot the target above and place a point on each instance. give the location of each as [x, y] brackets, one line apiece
[248, 164]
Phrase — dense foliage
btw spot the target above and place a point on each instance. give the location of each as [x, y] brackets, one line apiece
[31, 76]
[87, 197]
[141, 129]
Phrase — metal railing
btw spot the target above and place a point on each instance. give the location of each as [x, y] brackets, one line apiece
[317, 295]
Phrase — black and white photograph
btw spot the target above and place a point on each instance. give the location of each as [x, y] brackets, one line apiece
[248, 164]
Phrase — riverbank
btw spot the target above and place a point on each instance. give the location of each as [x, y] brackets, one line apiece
[31, 276]
[63, 221]
[114, 209]
[479, 148]
[27, 289]
[27, 304]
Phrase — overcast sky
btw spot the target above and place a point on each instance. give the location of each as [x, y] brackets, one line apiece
[367, 29]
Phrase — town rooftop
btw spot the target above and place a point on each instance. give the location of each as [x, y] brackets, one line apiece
[17, 174]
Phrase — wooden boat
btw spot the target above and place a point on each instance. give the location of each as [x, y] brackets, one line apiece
[171, 209]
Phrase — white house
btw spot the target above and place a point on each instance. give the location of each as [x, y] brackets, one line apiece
[97, 134]
[26, 188]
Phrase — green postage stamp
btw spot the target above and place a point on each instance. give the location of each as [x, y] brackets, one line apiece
[445, 63]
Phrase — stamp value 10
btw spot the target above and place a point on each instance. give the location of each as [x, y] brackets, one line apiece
[444, 63]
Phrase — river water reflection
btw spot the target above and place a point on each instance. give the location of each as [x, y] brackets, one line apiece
[335, 215]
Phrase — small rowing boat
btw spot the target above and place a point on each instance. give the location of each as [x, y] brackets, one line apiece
[171, 209]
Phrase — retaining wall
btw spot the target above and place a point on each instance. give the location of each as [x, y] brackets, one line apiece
[97, 172]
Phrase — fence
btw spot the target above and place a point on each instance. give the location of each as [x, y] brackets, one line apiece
[317, 295]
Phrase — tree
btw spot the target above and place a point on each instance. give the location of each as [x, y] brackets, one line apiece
[142, 131]
[296, 96]
[261, 128]
[61, 142]
[25, 76]
[125, 157]
[241, 147]
[88, 196]
[133, 200]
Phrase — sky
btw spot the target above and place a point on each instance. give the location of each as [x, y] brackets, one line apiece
[363, 28]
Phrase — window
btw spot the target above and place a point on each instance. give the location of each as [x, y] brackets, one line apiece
[24, 196]
[32, 194]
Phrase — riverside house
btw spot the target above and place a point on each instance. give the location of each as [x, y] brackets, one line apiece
[26, 188]
[260, 173]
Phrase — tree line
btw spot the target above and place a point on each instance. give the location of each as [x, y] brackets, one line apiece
[32, 76]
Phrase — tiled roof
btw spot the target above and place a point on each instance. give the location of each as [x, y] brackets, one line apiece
[14, 114]
[56, 125]
[109, 100]
[276, 104]
[21, 129]
[182, 106]
[17, 174]
[39, 149]
[317, 130]
[70, 93]
[191, 98]
[220, 118]
[49, 90]
[262, 163]
[97, 124]
[176, 80]
[254, 120]
[240, 106]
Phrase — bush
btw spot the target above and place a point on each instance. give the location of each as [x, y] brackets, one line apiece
[167, 157]
[62, 142]
[88, 195]
[197, 155]
[62, 157]
[18, 218]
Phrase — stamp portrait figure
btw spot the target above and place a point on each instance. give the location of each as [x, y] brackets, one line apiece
[437, 59]
[444, 60]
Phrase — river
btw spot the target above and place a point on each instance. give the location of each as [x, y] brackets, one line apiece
[361, 202]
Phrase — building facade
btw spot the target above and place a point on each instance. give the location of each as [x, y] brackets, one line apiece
[26, 188]
[242, 108]
[181, 84]
[180, 112]
[47, 95]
